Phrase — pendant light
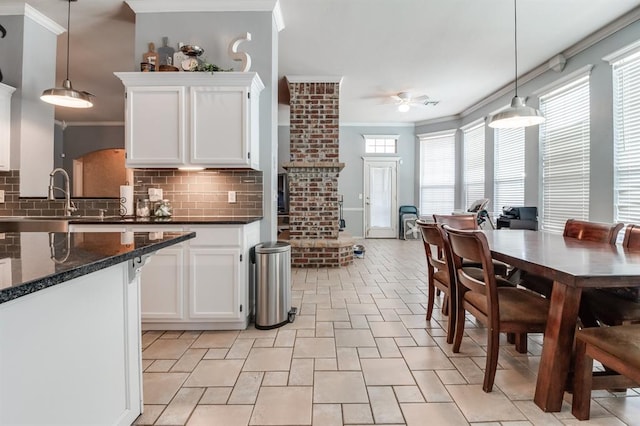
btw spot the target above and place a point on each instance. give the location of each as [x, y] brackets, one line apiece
[66, 95]
[518, 114]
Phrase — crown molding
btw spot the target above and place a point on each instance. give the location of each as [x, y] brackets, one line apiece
[173, 6]
[438, 120]
[191, 78]
[21, 8]
[66, 124]
[314, 78]
[6, 90]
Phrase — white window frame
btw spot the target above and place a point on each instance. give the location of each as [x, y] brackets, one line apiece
[473, 162]
[626, 123]
[381, 144]
[508, 171]
[565, 153]
[441, 188]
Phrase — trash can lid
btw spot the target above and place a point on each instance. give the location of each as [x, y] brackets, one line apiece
[273, 247]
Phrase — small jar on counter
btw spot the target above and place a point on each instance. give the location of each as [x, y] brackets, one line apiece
[143, 208]
[163, 209]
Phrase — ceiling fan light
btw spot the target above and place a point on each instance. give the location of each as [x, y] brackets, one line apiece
[67, 96]
[517, 115]
[403, 107]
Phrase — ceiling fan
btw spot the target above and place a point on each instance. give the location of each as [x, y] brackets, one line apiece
[404, 101]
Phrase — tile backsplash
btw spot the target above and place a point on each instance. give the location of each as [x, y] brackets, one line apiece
[192, 193]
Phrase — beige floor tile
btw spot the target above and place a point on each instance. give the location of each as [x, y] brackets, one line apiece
[348, 359]
[384, 405]
[166, 349]
[626, 409]
[535, 415]
[216, 396]
[359, 321]
[332, 315]
[285, 338]
[240, 349]
[362, 309]
[357, 414]
[148, 337]
[518, 384]
[275, 378]
[390, 303]
[253, 333]
[413, 321]
[171, 334]
[422, 337]
[215, 339]
[180, 408]
[386, 371]
[387, 347]
[301, 373]
[264, 343]
[216, 354]
[283, 406]
[431, 387]
[327, 415]
[150, 415]
[146, 363]
[301, 322]
[315, 347]
[388, 329]
[161, 366]
[306, 333]
[159, 388]
[426, 358]
[469, 370]
[324, 329]
[443, 413]
[246, 389]
[451, 377]
[268, 359]
[188, 361]
[474, 402]
[215, 373]
[227, 415]
[326, 364]
[354, 338]
[339, 387]
[408, 394]
[368, 353]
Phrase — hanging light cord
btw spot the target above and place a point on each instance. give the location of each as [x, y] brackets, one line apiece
[68, 35]
[515, 39]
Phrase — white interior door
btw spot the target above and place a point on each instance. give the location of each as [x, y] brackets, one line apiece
[381, 199]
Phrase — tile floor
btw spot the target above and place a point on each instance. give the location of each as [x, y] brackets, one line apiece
[359, 353]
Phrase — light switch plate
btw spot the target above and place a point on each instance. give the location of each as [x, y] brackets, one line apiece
[231, 196]
[1, 196]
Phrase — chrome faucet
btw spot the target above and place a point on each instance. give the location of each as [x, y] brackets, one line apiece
[69, 207]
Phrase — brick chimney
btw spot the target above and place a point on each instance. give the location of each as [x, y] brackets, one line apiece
[313, 174]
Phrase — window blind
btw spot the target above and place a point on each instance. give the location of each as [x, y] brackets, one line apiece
[626, 115]
[564, 140]
[508, 178]
[473, 169]
[437, 173]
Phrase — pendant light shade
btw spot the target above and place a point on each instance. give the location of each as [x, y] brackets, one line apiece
[518, 114]
[67, 96]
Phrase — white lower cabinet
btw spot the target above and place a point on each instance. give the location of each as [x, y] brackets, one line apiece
[201, 284]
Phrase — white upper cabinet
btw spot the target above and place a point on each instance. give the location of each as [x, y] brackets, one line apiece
[181, 119]
[5, 126]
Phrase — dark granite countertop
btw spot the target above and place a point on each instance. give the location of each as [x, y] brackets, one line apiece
[175, 220]
[39, 259]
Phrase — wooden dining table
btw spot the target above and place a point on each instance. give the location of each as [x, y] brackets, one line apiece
[572, 264]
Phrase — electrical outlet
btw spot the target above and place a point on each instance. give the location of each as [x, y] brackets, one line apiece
[231, 196]
[1, 196]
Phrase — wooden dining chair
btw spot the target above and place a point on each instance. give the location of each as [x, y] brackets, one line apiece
[580, 230]
[439, 269]
[501, 309]
[469, 222]
[617, 347]
[614, 306]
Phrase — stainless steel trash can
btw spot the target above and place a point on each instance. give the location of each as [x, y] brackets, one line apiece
[273, 285]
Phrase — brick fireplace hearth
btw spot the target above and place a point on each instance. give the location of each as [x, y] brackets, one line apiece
[313, 174]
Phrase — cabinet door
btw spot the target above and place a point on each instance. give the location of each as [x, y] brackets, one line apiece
[155, 126]
[219, 127]
[162, 285]
[5, 126]
[214, 276]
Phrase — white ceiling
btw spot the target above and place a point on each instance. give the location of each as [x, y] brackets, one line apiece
[455, 51]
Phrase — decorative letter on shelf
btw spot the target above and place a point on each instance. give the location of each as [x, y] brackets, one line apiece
[240, 56]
